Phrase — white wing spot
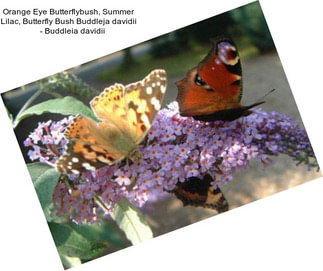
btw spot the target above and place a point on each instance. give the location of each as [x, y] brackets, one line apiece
[217, 61]
[103, 160]
[156, 103]
[149, 90]
[163, 89]
[75, 171]
[158, 83]
[75, 160]
[145, 120]
[87, 166]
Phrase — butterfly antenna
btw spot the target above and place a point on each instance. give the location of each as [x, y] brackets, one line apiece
[263, 97]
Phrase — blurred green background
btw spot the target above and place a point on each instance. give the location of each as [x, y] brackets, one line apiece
[176, 52]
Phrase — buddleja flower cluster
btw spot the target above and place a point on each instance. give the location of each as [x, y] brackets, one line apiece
[48, 141]
[175, 149]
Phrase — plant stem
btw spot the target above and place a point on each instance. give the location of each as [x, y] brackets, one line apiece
[101, 203]
[54, 94]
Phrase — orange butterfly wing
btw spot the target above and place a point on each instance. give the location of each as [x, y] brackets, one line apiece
[88, 148]
[214, 87]
[199, 192]
[126, 114]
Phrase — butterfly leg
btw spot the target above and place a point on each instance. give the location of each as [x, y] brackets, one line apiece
[135, 155]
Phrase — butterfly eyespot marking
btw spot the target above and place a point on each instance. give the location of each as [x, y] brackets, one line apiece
[228, 53]
[198, 80]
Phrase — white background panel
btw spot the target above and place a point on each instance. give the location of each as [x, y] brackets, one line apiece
[281, 232]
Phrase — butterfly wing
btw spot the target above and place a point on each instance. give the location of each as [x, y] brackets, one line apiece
[215, 84]
[199, 192]
[144, 99]
[229, 114]
[126, 114]
[110, 105]
[90, 146]
[133, 107]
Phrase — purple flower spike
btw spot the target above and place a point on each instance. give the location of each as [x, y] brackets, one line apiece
[48, 141]
[176, 148]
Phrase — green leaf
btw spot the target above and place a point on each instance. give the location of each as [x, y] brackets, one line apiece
[70, 262]
[65, 106]
[70, 243]
[52, 216]
[44, 179]
[37, 169]
[102, 231]
[132, 222]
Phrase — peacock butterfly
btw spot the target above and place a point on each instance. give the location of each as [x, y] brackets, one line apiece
[200, 193]
[212, 90]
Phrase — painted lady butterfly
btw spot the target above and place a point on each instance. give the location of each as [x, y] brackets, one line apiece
[213, 89]
[125, 113]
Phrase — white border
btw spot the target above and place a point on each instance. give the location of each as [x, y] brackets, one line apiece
[281, 232]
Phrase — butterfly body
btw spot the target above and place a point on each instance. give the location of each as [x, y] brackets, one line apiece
[214, 87]
[125, 113]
